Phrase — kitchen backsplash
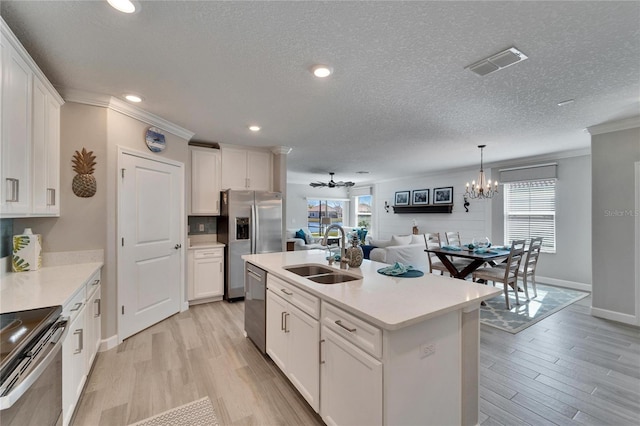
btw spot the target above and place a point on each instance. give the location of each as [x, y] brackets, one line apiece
[6, 234]
[201, 225]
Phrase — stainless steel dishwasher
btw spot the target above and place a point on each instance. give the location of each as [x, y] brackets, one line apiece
[255, 312]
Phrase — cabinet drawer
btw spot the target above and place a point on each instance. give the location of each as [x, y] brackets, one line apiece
[205, 253]
[299, 298]
[74, 306]
[360, 333]
[92, 284]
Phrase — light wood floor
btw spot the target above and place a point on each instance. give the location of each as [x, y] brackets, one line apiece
[570, 368]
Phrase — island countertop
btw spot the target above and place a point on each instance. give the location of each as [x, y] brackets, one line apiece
[388, 302]
[48, 286]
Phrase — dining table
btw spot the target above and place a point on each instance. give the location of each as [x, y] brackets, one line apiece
[477, 257]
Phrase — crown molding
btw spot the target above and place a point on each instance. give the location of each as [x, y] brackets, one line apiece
[115, 104]
[614, 126]
[281, 150]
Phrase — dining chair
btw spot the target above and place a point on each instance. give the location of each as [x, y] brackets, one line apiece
[528, 267]
[433, 241]
[453, 238]
[508, 274]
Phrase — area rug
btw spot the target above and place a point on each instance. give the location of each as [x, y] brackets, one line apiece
[549, 301]
[196, 413]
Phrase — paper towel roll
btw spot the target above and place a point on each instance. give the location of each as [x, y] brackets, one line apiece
[27, 252]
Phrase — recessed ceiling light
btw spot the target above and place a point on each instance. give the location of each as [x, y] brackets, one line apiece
[321, 71]
[124, 6]
[567, 102]
[133, 98]
[254, 128]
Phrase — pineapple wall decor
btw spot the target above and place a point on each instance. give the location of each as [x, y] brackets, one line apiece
[84, 183]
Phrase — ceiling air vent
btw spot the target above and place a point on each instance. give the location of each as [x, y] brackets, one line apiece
[498, 61]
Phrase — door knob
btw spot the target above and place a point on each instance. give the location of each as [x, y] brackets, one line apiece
[177, 246]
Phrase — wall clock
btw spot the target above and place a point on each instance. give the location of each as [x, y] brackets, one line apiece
[155, 139]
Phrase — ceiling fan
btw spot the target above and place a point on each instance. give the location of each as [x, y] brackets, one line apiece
[331, 183]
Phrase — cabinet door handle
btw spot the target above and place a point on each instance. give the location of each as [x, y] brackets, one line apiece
[95, 282]
[282, 320]
[13, 188]
[76, 308]
[286, 315]
[99, 308]
[350, 330]
[80, 333]
[320, 351]
[51, 197]
[288, 293]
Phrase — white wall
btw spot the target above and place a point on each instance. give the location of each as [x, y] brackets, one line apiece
[571, 264]
[615, 295]
[474, 224]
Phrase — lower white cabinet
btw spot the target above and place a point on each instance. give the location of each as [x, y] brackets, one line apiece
[74, 359]
[351, 391]
[81, 343]
[205, 274]
[292, 343]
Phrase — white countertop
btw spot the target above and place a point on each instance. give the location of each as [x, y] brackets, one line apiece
[49, 286]
[388, 302]
[214, 244]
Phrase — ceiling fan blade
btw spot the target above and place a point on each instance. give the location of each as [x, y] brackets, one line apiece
[317, 184]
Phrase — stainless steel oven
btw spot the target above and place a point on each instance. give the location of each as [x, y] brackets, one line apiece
[31, 367]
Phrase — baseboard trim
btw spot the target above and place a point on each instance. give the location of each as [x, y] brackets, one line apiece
[108, 343]
[564, 283]
[615, 316]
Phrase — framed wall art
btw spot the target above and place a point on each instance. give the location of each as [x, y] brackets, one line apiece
[443, 195]
[402, 198]
[420, 197]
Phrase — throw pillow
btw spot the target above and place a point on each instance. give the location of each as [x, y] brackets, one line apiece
[300, 234]
[400, 240]
[308, 238]
[419, 239]
[381, 243]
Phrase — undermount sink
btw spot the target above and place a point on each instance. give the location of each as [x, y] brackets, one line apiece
[334, 278]
[321, 274]
[309, 270]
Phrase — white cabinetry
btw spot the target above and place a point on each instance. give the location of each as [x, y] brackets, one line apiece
[205, 181]
[246, 169]
[30, 134]
[46, 151]
[205, 275]
[81, 344]
[351, 390]
[74, 360]
[293, 335]
[15, 127]
[93, 319]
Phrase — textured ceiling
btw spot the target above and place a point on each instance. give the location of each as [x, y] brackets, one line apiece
[399, 102]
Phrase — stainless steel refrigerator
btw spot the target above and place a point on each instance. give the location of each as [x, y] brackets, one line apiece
[250, 222]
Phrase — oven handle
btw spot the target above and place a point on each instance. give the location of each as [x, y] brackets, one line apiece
[36, 371]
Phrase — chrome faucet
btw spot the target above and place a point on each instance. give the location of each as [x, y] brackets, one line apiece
[343, 259]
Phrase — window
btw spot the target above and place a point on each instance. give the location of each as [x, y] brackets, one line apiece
[363, 211]
[530, 211]
[321, 213]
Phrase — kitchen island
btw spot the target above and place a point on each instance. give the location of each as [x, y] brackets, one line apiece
[389, 350]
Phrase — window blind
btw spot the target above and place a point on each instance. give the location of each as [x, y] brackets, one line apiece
[530, 211]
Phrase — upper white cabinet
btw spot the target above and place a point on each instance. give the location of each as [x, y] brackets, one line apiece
[15, 127]
[246, 169]
[30, 134]
[205, 182]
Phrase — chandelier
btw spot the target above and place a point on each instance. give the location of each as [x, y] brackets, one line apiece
[483, 188]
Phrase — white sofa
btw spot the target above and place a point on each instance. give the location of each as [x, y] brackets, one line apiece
[406, 249]
[300, 244]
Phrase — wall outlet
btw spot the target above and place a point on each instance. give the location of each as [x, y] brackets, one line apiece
[201, 227]
[427, 350]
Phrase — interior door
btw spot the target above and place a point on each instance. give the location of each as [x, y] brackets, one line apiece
[151, 204]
